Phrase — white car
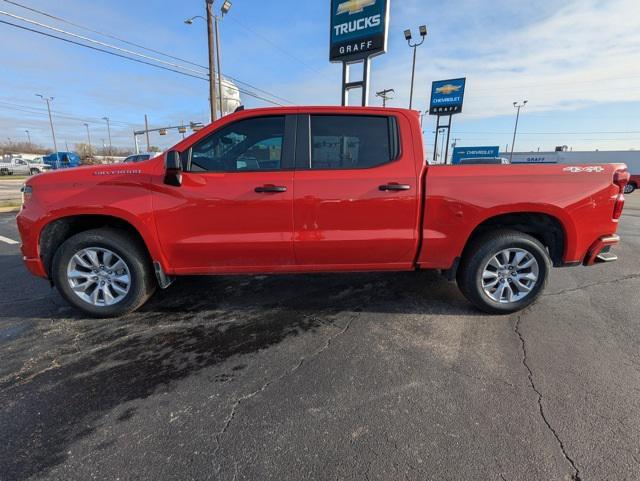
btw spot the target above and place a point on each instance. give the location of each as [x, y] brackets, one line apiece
[140, 157]
[20, 166]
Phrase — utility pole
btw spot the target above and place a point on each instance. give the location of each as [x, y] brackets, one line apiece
[212, 68]
[89, 139]
[220, 100]
[515, 130]
[109, 132]
[384, 95]
[135, 141]
[414, 46]
[53, 133]
[455, 143]
[146, 129]
[443, 158]
[28, 137]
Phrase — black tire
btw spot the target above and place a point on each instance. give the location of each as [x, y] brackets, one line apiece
[629, 188]
[142, 280]
[481, 251]
[34, 172]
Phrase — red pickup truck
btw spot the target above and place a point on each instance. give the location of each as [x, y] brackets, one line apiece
[317, 189]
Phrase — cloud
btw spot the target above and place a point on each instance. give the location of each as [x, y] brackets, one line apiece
[583, 53]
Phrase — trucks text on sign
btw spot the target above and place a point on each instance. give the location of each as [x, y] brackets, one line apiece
[358, 29]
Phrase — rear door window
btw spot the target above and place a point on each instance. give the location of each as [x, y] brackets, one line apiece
[351, 141]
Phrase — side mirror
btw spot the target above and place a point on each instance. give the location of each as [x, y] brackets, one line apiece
[173, 169]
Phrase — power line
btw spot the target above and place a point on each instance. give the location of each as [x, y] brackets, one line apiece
[114, 47]
[251, 94]
[550, 133]
[65, 115]
[100, 49]
[54, 17]
[97, 42]
[268, 40]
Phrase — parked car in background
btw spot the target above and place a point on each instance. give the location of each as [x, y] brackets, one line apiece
[140, 157]
[37, 166]
[62, 160]
[20, 166]
[484, 160]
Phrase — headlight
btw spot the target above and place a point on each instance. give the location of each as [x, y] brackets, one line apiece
[27, 192]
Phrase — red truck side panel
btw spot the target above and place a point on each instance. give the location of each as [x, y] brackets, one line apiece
[343, 221]
[461, 197]
[124, 192]
[216, 222]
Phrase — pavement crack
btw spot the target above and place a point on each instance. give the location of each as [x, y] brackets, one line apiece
[234, 408]
[576, 471]
[593, 284]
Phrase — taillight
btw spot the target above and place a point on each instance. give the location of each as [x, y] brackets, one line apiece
[621, 179]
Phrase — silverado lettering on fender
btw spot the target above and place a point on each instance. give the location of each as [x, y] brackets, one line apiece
[317, 189]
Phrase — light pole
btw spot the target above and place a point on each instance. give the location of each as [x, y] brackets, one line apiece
[442, 153]
[515, 130]
[109, 132]
[28, 137]
[88, 138]
[226, 6]
[414, 46]
[216, 98]
[53, 133]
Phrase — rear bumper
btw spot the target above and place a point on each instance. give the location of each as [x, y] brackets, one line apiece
[599, 251]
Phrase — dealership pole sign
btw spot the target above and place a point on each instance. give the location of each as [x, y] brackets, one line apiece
[447, 96]
[358, 33]
[358, 29]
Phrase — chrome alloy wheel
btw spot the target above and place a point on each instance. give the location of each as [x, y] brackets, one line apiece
[98, 276]
[510, 275]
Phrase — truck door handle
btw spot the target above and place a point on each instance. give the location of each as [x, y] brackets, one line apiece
[270, 189]
[393, 186]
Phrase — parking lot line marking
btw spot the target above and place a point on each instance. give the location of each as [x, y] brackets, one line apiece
[7, 240]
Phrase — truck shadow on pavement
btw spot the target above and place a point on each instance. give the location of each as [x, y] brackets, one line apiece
[76, 371]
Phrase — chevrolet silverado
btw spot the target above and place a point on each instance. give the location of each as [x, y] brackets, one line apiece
[314, 189]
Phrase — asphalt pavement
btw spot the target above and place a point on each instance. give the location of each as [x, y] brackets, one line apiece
[324, 377]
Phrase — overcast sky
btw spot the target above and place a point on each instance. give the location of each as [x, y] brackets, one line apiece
[576, 62]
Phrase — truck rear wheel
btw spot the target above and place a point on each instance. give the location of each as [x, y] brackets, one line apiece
[504, 271]
[103, 273]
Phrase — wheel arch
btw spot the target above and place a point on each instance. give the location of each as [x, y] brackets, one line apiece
[58, 230]
[544, 227]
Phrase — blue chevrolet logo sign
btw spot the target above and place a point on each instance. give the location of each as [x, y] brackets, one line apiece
[447, 97]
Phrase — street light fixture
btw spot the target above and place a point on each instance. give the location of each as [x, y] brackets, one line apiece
[515, 130]
[189, 21]
[216, 98]
[48, 100]
[28, 136]
[109, 132]
[414, 46]
[89, 139]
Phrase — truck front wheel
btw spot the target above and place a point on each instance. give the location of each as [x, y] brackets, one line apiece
[103, 273]
[503, 271]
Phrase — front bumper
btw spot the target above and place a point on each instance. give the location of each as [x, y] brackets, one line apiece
[35, 266]
[600, 250]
